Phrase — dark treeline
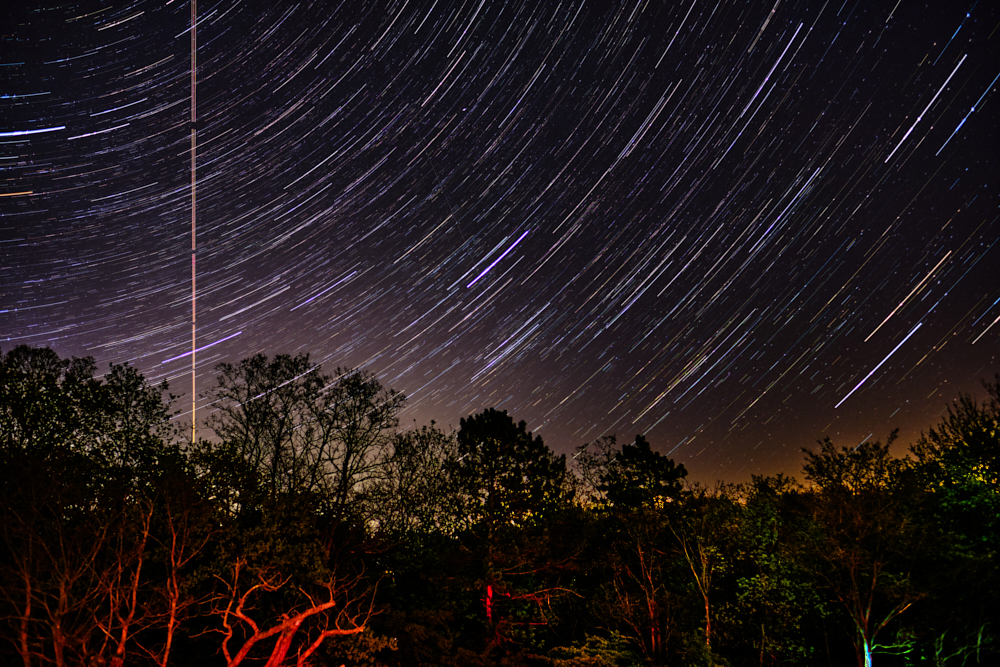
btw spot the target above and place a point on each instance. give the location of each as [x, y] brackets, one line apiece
[309, 529]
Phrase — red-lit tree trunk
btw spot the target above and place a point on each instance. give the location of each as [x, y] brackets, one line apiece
[702, 536]
[119, 582]
[183, 547]
[235, 614]
[642, 599]
[24, 619]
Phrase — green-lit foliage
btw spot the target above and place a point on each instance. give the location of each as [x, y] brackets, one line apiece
[958, 462]
[596, 651]
[957, 468]
[776, 600]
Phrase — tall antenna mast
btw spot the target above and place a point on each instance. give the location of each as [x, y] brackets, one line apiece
[194, 227]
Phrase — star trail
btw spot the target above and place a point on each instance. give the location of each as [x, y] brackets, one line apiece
[736, 227]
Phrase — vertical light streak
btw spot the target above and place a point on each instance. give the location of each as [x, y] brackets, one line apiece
[194, 228]
[872, 372]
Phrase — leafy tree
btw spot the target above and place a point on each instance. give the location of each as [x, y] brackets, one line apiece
[641, 476]
[958, 463]
[705, 527]
[775, 599]
[957, 471]
[505, 476]
[635, 490]
[641, 590]
[82, 457]
[44, 401]
[865, 537]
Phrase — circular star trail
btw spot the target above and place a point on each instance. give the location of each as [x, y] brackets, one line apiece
[735, 227]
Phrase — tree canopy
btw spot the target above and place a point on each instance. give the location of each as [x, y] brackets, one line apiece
[311, 529]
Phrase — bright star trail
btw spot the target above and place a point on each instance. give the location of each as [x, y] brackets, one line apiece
[872, 372]
[703, 221]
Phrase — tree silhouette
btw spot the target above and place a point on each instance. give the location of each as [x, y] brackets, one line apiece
[510, 486]
[291, 429]
[308, 530]
[631, 477]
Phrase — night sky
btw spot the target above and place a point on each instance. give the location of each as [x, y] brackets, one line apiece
[735, 226]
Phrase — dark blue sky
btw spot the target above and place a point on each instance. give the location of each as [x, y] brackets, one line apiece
[736, 227]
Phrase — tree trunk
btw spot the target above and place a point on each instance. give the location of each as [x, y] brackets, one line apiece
[654, 631]
[24, 644]
[281, 648]
[708, 624]
[58, 645]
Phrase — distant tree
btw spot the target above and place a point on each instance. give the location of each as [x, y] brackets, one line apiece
[591, 462]
[630, 477]
[363, 420]
[411, 493]
[265, 423]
